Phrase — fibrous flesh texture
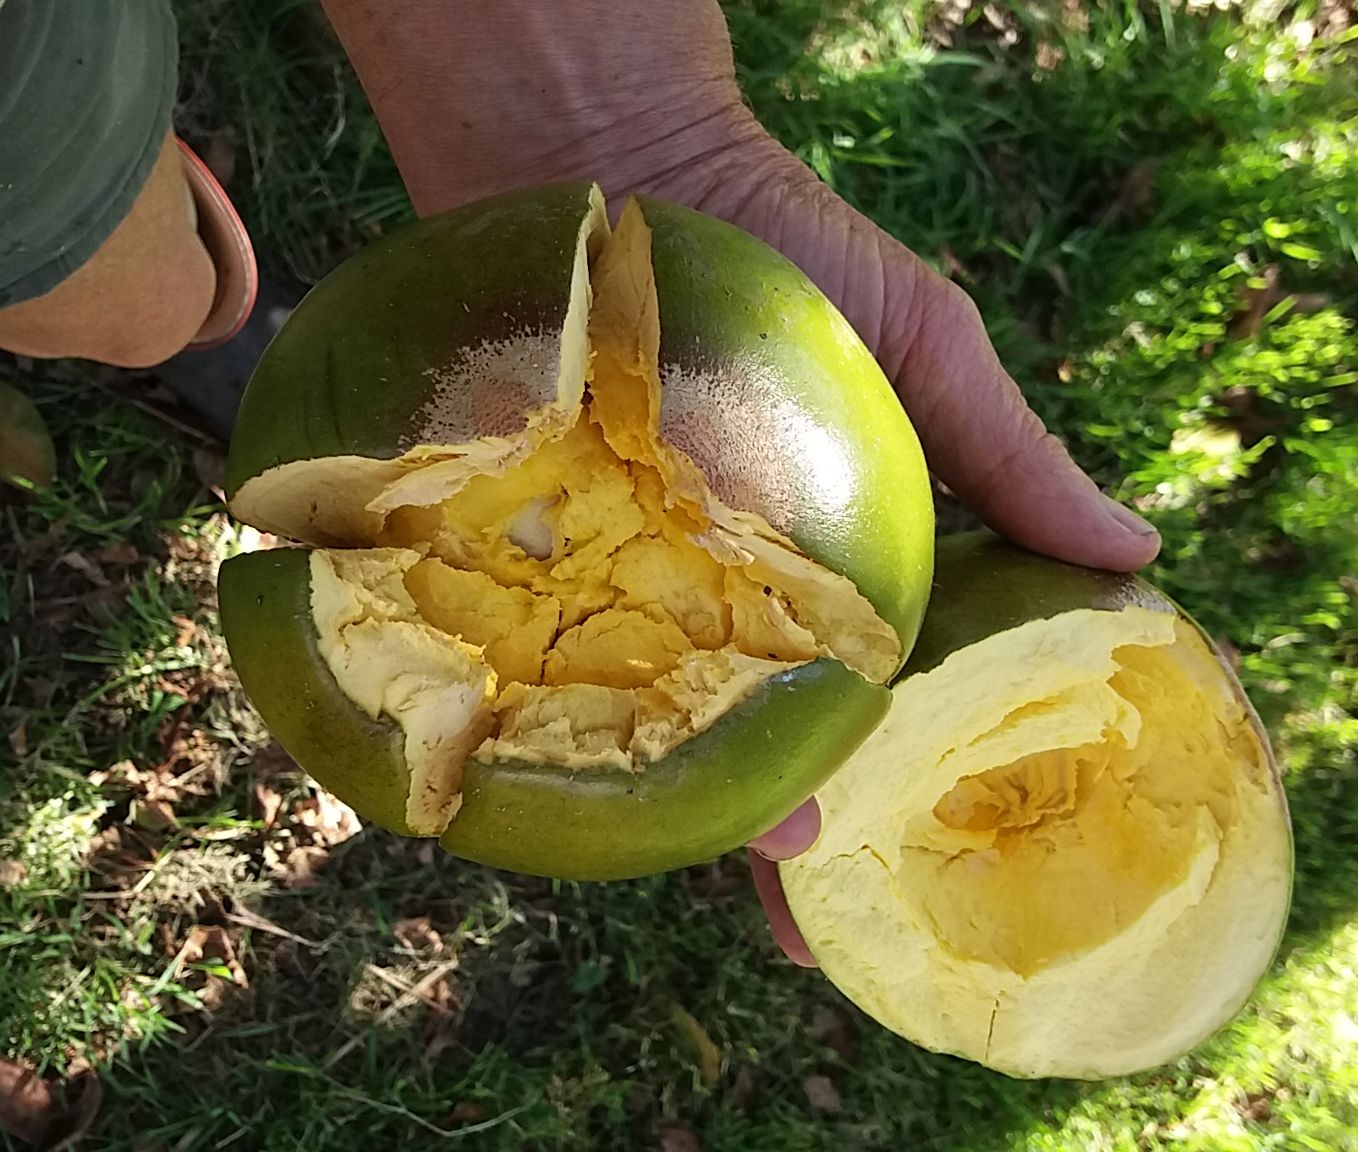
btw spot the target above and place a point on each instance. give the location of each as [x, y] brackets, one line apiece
[574, 595]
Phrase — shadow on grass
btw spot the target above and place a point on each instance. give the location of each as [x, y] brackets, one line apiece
[556, 1028]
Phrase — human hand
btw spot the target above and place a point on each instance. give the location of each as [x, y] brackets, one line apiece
[643, 98]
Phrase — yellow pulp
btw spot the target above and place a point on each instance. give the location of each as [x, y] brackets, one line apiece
[596, 604]
[1045, 857]
[570, 569]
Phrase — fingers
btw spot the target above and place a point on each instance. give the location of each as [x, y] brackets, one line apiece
[793, 836]
[983, 441]
[790, 838]
[979, 435]
[785, 931]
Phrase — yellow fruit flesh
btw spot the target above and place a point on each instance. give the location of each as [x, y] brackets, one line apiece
[1028, 863]
[1070, 834]
[615, 606]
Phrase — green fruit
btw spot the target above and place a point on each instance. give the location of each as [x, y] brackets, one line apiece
[1066, 850]
[415, 388]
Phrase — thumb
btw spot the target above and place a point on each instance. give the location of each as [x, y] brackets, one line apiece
[979, 435]
[983, 441]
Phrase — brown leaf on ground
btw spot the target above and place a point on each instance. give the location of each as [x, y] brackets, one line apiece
[28, 1105]
[418, 935]
[210, 942]
[329, 820]
[822, 1095]
[836, 1029]
[12, 872]
[78, 562]
[154, 815]
[26, 449]
[301, 866]
[119, 554]
[1050, 56]
[123, 774]
[267, 803]
[676, 1139]
[187, 631]
[212, 995]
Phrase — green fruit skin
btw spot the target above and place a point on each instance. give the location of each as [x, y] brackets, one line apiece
[265, 604]
[348, 373]
[984, 585]
[711, 795]
[745, 339]
[744, 335]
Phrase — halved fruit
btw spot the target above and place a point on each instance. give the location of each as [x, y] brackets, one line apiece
[590, 594]
[1066, 851]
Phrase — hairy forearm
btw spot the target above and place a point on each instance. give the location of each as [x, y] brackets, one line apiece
[481, 96]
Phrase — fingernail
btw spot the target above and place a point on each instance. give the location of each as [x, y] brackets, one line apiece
[1128, 519]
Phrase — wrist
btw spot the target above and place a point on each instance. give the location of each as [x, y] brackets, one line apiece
[478, 99]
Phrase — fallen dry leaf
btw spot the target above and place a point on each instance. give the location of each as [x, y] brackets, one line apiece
[1050, 56]
[707, 1052]
[418, 935]
[267, 801]
[82, 1099]
[26, 450]
[301, 865]
[836, 1029]
[187, 630]
[86, 567]
[12, 872]
[209, 942]
[119, 554]
[212, 995]
[676, 1139]
[467, 1112]
[153, 815]
[822, 1095]
[329, 820]
[28, 1105]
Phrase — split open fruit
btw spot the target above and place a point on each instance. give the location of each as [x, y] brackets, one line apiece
[609, 546]
[614, 538]
[1065, 852]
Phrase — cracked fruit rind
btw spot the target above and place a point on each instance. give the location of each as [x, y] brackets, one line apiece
[598, 581]
[594, 825]
[1066, 850]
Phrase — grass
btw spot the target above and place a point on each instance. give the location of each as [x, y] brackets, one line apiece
[1157, 208]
